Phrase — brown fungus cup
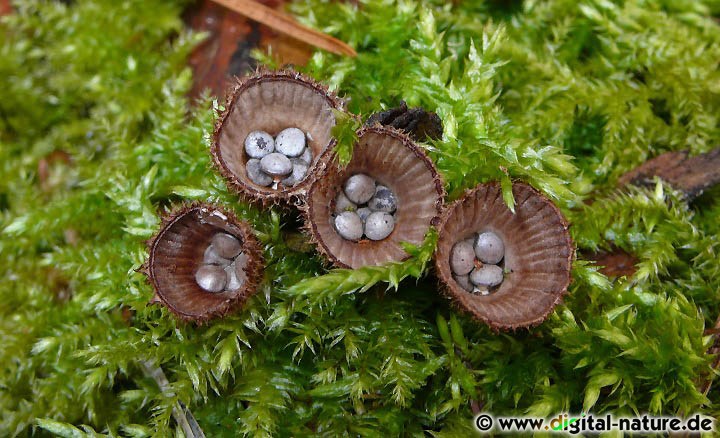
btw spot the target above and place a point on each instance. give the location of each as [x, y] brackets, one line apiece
[537, 257]
[394, 162]
[268, 103]
[180, 250]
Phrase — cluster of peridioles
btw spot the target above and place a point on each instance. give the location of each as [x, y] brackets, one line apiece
[284, 159]
[474, 262]
[364, 208]
[273, 144]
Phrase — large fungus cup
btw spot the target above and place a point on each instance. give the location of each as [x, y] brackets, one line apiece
[396, 162]
[272, 102]
[177, 251]
[537, 260]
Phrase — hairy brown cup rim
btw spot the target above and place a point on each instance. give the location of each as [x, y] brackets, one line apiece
[315, 209]
[240, 184]
[565, 254]
[220, 304]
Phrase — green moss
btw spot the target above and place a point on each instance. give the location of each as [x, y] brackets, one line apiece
[564, 95]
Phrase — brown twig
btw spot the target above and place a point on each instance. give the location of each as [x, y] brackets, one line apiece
[615, 262]
[283, 23]
[691, 175]
[5, 7]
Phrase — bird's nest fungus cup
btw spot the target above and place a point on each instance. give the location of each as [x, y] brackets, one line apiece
[204, 262]
[272, 137]
[508, 270]
[389, 193]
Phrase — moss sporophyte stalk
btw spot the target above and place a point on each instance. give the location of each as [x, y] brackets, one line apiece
[526, 113]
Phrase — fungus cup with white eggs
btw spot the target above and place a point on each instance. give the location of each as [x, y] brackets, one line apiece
[273, 136]
[530, 249]
[203, 263]
[406, 200]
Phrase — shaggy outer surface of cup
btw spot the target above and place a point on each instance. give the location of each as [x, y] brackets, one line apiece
[538, 254]
[177, 251]
[395, 161]
[272, 101]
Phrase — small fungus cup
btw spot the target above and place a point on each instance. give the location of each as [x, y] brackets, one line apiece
[178, 254]
[403, 176]
[267, 114]
[536, 257]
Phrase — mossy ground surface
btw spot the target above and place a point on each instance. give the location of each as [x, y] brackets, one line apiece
[564, 95]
